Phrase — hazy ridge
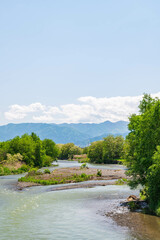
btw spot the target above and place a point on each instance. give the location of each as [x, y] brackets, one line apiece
[79, 133]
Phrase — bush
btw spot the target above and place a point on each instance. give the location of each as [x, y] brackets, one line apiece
[84, 165]
[83, 175]
[99, 173]
[25, 168]
[122, 181]
[47, 161]
[1, 171]
[47, 171]
[32, 172]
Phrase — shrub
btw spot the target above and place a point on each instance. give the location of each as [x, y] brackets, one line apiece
[99, 173]
[121, 181]
[83, 175]
[1, 171]
[24, 168]
[84, 165]
[47, 171]
[83, 160]
[47, 161]
[32, 172]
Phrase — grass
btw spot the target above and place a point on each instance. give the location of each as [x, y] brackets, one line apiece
[7, 171]
[54, 165]
[71, 179]
[122, 181]
[47, 171]
[85, 160]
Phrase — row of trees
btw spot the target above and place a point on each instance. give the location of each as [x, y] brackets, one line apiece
[108, 150]
[38, 153]
[29, 149]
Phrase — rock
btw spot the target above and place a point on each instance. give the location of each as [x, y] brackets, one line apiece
[134, 203]
[132, 198]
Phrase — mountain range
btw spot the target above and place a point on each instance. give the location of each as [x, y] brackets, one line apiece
[81, 134]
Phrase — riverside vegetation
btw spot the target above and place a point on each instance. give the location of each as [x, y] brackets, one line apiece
[140, 152]
[70, 175]
[55, 177]
[23, 153]
[26, 152]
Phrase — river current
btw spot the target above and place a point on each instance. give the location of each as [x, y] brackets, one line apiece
[39, 213]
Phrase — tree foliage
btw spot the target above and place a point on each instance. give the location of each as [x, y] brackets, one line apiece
[33, 151]
[68, 150]
[143, 139]
[95, 152]
[142, 151]
[106, 151]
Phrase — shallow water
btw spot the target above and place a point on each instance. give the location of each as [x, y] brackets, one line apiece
[37, 213]
[65, 163]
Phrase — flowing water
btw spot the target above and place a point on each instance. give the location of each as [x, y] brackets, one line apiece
[38, 213]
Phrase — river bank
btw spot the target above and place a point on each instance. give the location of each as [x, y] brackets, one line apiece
[142, 226]
[72, 175]
[79, 213]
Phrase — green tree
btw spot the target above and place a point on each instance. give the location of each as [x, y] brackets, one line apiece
[50, 148]
[95, 152]
[35, 137]
[143, 151]
[74, 151]
[68, 150]
[108, 150]
[34, 151]
[143, 139]
[38, 156]
[152, 187]
[112, 148]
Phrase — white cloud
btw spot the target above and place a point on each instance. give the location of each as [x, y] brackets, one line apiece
[89, 109]
[20, 111]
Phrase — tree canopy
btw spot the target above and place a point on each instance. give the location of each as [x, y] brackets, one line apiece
[107, 150]
[68, 150]
[142, 149]
[34, 152]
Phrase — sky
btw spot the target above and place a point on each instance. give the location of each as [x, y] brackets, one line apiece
[77, 61]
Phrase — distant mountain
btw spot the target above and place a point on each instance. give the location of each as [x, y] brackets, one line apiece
[97, 129]
[80, 133]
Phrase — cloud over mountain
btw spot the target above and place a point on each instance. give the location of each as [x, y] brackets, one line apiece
[88, 110]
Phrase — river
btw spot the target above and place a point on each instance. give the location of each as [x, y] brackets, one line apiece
[39, 213]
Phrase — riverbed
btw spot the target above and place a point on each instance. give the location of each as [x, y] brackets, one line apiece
[39, 213]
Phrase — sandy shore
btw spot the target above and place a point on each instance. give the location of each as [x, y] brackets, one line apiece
[107, 174]
[82, 185]
[141, 226]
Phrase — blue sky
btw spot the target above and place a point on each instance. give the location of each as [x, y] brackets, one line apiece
[56, 53]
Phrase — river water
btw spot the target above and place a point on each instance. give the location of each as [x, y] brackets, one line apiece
[39, 213]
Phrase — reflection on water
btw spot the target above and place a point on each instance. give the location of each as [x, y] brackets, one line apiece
[73, 214]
